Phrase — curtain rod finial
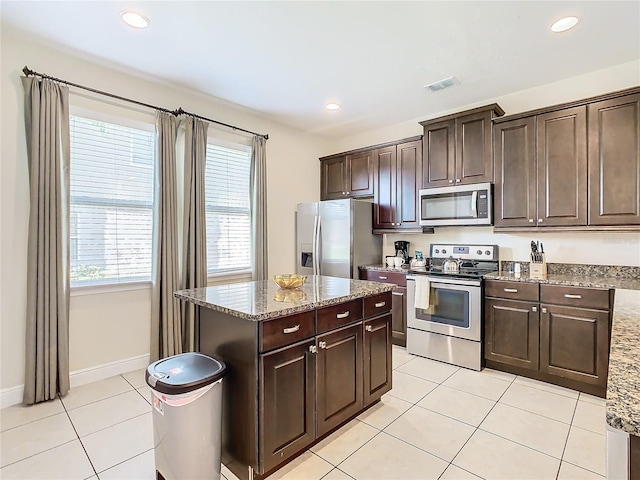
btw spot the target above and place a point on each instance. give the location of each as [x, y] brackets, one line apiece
[266, 137]
[27, 71]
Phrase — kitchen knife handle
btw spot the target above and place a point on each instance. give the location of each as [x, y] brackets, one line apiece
[343, 315]
[291, 329]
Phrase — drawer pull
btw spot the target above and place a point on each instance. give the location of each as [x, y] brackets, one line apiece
[382, 278]
[511, 290]
[397, 293]
[369, 328]
[544, 310]
[571, 295]
[343, 315]
[534, 309]
[313, 349]
[380, 304]
[322, 344]
[291, 329]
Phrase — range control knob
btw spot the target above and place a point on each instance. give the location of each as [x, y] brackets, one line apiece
[487, 252]
[444, 251]
[479, 252]
[437, 251]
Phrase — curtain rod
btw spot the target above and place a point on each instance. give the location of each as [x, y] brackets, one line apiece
[28, 72]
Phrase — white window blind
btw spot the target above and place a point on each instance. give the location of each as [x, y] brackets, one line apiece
[111, 172]
[228, 209]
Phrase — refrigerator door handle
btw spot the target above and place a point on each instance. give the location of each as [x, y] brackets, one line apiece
[313, 245]
[317, 246]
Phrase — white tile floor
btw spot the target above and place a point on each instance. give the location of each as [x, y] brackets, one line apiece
[438, 422]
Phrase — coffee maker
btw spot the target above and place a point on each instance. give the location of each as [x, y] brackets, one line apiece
[402, 250]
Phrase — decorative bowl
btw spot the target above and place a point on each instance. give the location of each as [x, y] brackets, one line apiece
[289, 280]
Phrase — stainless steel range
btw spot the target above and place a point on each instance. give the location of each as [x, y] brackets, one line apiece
[444, 304]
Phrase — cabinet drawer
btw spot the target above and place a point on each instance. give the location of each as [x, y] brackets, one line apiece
[384, 277]
[337, 315]
[377, 304]
[286, 330]
[575, 296]
[512, 290]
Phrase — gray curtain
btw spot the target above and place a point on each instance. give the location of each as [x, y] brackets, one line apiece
[259, 206]
[166, 327]
[46, 112]
[194, 244]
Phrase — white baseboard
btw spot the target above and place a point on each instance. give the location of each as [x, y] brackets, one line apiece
[13, 395]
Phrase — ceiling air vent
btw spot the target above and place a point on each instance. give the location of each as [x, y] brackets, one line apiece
[442, 84]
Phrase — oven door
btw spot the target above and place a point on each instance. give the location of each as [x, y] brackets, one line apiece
[454, 308]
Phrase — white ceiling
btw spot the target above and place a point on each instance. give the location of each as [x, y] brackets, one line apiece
[287, 59]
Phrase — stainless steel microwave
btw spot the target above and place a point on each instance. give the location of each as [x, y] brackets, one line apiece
[456, 205]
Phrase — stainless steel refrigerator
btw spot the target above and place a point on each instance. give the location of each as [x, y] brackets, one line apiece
[334, 238]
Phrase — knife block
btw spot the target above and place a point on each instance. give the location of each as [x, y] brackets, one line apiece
[538, 270]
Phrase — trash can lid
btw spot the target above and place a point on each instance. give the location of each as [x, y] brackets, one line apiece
[184, 373]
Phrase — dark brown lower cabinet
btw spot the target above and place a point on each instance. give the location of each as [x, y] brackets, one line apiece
[574, 343]
[287, 402]
[338, 377]
[377, 358]
[399, 311]
[512, 332]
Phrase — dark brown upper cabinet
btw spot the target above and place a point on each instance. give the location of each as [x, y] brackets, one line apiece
[347, 176]
[396, 183]
[614, 161]
[562, 167]
[457, 148]
[541, 170]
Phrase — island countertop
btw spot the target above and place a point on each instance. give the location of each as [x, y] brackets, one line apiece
[263, 299]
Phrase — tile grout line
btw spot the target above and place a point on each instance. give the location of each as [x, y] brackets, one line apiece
[38, 453]
[126, 460]
[99, 400]
[79, 439]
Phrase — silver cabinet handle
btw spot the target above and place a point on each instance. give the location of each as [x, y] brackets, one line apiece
[348, 193]
[571, 295]
[397, 293]
[291, 329]
[380, 304]
[457, 180]
[343, 315]
[450, 181]
[534, 309]
[381, 277]
[344, 193]
[511, 290]
[313, 349]
[544, 310]
[369, 328]
[322, 344]
[539, 220]
[531, 220]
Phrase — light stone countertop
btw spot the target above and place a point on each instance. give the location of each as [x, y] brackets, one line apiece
[574, 280]
[623, 383]
[384, 268]
[261, 300]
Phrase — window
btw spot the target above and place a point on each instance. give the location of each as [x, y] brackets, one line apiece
[111, 202]
[228, 208]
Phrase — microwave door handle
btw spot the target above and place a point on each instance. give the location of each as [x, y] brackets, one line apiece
[474, 204]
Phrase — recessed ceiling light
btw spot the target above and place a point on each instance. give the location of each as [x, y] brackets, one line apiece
[134, 19]
[332, 106]
[564, 24]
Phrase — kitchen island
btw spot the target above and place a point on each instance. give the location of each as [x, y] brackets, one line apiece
[300, 362]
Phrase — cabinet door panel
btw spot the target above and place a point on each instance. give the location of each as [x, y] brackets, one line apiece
[473, 148]
[409, 168]
[562, 167]
[399, 316]
[614, 161]
[338, 377]
[512, 333]
[384, 209]
[334, 178]
[574, 343]
[287, 403]
[360, 174]
[438, 169]
[515, 167]
[377, 358]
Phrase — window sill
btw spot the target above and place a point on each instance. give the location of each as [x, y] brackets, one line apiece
[109, 288]
[229, 277]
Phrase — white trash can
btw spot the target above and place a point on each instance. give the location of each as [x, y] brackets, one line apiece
[186, 391]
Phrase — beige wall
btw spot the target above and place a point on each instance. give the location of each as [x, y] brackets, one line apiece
[561, 247]
[109, 327]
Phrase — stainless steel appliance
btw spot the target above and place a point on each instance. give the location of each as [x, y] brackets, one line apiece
[456, 205]
[334, 237]
[445, 323]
